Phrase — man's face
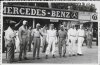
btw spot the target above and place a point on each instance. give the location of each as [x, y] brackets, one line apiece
[51, 26]
[61, 28]
[64, 23]
[38, 27]
[46, 27]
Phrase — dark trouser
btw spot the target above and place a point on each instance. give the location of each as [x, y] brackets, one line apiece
[36, 47]
[10, 53]
[62, 44]
[89, 43]
[29, 46]
[44, 44]
[97, 41]
[23, 48]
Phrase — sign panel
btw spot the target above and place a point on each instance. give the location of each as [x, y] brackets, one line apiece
[85, 16]
[39, 12]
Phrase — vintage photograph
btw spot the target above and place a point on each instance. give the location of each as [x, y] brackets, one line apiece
[50, 32]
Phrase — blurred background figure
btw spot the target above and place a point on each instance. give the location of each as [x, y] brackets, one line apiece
[29, 38]
[10, 41]
[89, 35]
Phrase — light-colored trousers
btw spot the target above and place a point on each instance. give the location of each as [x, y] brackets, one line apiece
[51, 42]
[72, 45]
[80, 42]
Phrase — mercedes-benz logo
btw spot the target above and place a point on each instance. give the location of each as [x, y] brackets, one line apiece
[74, 15]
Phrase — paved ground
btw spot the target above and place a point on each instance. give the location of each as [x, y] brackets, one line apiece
[90, 57]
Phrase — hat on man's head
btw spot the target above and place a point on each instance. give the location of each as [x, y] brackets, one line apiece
[61, 26]
[51, 24]
[24, 22]
[12, 22]
[37, 25]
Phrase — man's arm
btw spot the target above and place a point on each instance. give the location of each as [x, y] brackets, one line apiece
[20, 34]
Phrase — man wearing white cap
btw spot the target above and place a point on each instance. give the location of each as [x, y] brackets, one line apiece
[23, 35]
[72, 33]
[36, 40]
[51, 39]
[81, 35]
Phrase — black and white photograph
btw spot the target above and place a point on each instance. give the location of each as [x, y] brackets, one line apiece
[49, 32]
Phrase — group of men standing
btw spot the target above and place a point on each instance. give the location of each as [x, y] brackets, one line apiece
[63, 37]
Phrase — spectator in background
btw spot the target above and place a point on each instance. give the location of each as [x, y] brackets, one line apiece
[10, 42]
[29, 38]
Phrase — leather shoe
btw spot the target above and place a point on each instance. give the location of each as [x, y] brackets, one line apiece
[46, 56]
[80, 54]
[38, 58]
[20, 59]
[53, 56]
[25, 58]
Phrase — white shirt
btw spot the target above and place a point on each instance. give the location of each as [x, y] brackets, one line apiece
[72, 32]
[81, 32]
[9, 33]
[51, 33]
[36, 33]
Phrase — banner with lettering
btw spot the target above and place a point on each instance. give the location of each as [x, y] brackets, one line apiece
[39, 12]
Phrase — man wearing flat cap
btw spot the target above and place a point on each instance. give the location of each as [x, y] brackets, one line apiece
[36, 39]
[23, 35]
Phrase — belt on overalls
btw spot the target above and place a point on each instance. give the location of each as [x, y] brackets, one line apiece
[73, 35]
[80, 36]
[36, 37]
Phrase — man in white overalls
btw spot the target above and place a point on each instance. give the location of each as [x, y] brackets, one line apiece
[81, 35]
[51, 39]
[72, 33]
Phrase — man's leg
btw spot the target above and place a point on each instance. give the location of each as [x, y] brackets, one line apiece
[25, 48]
[53, 48]
[80, 45]
[60, 48]
[71, 46]
[74, 47]
[21, 51]
[64, 48]
[29, 49]
[34, 48]
[38, 47]
[48, 47]
[43, 44]
[91, 42]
